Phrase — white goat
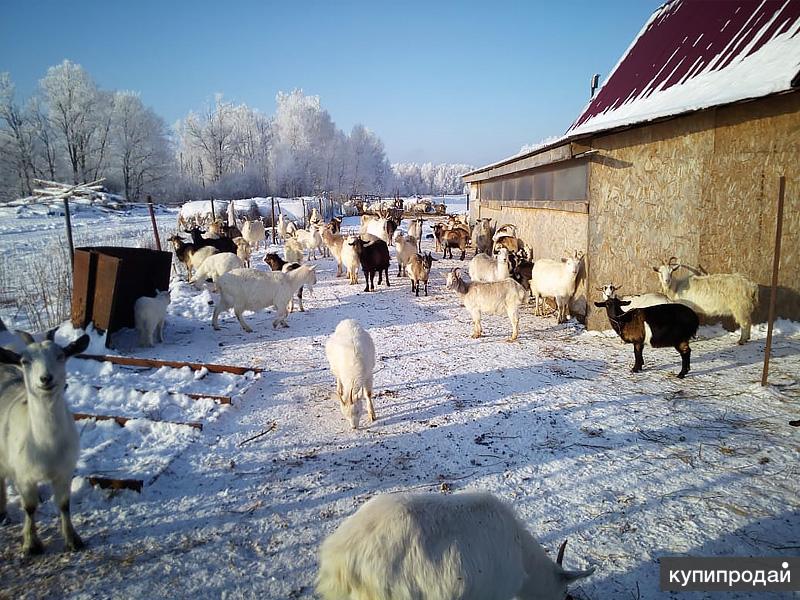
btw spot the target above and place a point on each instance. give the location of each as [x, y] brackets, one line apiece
[253, 232]
[557, 279]
[350, 259]
[439, 547]
[149, 315]
[215, 266]
[249, 289]
[716, 295]
[335, 243]
[243, 251]
[609, 291]
[405, 248]
[310, 240]
[497, 297]
[483, 267]
[286, 228]
[415, 231]
[292, 251]
[38, 437]
[351, 356]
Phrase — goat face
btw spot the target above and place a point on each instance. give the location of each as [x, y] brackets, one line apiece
[453, 279]
[609, 291]
[43, 364]
[665, 272]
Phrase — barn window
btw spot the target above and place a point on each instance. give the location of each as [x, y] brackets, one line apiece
[562, 181]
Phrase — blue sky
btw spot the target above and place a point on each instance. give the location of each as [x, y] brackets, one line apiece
[463, 82]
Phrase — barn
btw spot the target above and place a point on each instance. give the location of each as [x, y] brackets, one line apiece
[678, 154]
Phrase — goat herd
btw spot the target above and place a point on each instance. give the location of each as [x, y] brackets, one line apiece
[394, 545]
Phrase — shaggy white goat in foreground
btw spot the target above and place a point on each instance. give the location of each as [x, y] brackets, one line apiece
[38, 438]
[149, 315]
[215, 266]
[249, 289]
[468, 546]
[351, 356]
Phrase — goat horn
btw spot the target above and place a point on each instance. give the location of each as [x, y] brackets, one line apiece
[672, 258]
[560, 557]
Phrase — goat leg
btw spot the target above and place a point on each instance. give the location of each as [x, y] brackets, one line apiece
[72, 541]
[638, 360]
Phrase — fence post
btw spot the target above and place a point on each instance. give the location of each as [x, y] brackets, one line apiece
[305, 216]
[68, 220]
[272, 199]
[153, 220]
[773, 294]
[213, 215]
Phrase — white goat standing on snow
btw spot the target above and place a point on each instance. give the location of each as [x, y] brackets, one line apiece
[351, 356]
[557, 279]
[149, 315]
[716, 295]
[250, 289]
[253, 232]
[460, 546]
[497, 297]
[38, 437]
[311, 240]
[350, 259]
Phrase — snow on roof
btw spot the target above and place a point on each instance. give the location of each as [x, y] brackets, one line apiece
[695, 54]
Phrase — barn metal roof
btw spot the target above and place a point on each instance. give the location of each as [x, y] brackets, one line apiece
[690, 55]
[696, 54]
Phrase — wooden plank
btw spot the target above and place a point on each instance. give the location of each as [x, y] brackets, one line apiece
[110, 483]
[83, 265]
[192, 395]
[132, 361]
[122, 421]
[105, 286]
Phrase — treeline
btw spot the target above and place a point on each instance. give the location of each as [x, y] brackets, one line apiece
[72, 131]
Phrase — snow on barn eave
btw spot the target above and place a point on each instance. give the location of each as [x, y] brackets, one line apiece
[767, 64]
[693, 55]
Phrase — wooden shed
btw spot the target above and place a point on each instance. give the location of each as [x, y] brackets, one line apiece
[678, 154]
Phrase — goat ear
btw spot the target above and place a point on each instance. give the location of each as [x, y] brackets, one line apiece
[675, 268]
[624, 302]
[25, 337]
[77, 346]
[655, 269]
[9, 357]
[600, 304]
[570, 576]
[51, 335]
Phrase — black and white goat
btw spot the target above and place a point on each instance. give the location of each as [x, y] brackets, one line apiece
[661, 326]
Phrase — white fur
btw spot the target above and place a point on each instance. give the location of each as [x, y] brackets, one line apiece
[351, 356]
[243, 251]
[334, 242]
[215, 266]
[310, 240]
[483, 267]
[249, 289]
[468, 546]
[292, 251]
[38, 438]
[405, 248]
[253, 232]
[375, 226]
[716, 295]
[497, 297]
[636, 301]
[350, 259]
[556, 279]
[149, 315]
[415, 231]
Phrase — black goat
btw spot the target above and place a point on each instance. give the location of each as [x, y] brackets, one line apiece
[521, 270]
[221, 244]
[661, 325]
[374, 258]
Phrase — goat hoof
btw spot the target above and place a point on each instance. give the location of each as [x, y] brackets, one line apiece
[33, 548]
[76, 545]
[681, 375]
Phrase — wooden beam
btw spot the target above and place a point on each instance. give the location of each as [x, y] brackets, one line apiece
[109, 483]
[122, 421]
[132, 361]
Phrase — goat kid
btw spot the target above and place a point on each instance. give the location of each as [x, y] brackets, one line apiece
[420, 268]
[149, 315]
[351, 356]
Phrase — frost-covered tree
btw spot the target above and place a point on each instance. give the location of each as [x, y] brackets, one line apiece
[17, 138]
[429, 179]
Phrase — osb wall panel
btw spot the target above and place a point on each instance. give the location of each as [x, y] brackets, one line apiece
[702, 188]
[550, 233]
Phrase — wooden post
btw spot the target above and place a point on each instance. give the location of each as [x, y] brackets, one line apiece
[273, 219]
[321, 211]
[213, 216]
[773, 295]
[153, 220]
[68, 220]
[305, 216]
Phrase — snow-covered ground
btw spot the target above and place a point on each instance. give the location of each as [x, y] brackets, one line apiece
[629, 467]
